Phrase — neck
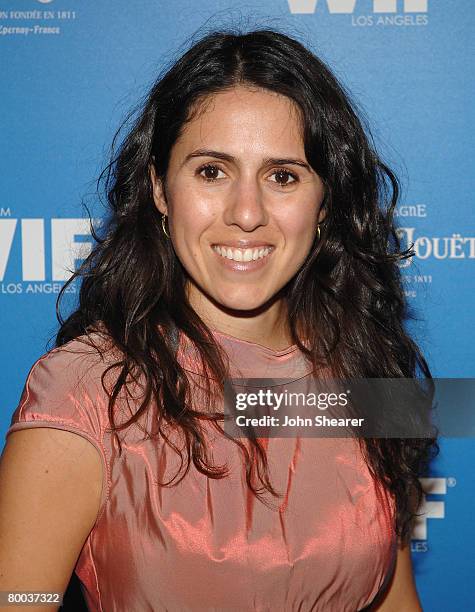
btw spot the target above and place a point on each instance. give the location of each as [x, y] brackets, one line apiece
[274, 336]
[267, 325]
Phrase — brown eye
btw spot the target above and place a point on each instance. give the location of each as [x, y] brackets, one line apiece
[209, 172]
[282, 177]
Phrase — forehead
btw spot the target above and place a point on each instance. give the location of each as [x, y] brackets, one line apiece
[244, 118]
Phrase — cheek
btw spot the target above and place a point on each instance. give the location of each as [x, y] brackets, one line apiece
[191, 216]
[299, 225]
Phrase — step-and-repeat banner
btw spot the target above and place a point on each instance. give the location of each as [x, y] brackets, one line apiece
[71, 69]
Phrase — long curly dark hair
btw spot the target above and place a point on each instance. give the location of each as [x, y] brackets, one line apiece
[346, 300]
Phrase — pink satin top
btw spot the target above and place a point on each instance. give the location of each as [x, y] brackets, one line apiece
[206, 544]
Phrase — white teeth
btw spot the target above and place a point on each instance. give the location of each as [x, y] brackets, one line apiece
[242, 255]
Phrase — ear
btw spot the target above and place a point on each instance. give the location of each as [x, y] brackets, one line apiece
[158, 191]
[322, 213]
[323, 209]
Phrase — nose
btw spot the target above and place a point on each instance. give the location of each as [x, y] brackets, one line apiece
[246, 207]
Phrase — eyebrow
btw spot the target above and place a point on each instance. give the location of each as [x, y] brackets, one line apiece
[271, 161]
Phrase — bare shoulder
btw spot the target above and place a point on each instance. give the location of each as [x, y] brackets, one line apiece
[53, 473]
[50, 492]
[401, 593]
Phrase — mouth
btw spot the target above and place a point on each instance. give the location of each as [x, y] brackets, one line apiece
[243, 260]
[242, 254]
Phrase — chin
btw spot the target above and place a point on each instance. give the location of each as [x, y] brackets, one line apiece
[244, 303]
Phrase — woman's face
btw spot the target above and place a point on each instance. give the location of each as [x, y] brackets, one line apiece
[242, 201]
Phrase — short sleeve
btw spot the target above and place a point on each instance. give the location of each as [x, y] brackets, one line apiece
[63, 391]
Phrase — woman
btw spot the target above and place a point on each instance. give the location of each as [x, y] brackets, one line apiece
[250, 234]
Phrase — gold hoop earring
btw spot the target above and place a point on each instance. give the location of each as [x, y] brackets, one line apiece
[163, 226]
[318, 231]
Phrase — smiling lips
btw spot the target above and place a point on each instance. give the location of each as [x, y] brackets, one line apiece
[249, 254]
[247, 258]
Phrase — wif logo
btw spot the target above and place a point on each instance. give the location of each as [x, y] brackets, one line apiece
[347, 7]
[430, 509]
[36, 248]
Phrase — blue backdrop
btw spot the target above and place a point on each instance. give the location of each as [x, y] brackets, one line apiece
[71, 70]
